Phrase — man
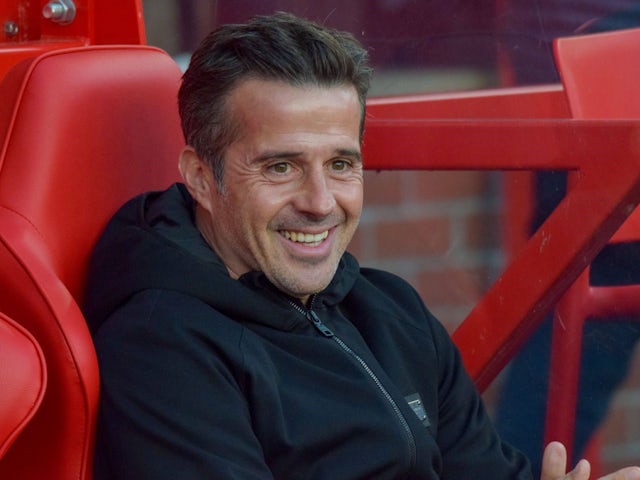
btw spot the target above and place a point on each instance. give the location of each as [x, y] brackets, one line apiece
[236, 338]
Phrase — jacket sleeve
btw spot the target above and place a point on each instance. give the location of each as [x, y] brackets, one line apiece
[169, 407]
[470, 446]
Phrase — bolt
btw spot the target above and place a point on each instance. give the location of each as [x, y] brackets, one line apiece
[10, 29]
[60, 11]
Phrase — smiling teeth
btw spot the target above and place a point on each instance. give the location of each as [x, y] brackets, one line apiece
[307, 238]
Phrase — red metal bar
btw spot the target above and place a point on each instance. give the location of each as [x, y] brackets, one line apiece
[564, 370]
[544, 101]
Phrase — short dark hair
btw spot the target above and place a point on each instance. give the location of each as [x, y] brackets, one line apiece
[279, 47]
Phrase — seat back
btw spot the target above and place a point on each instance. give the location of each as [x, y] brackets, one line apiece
[600, 73]
[23, 377]
[83, 130]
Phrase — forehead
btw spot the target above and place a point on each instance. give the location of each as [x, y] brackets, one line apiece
[274, 106]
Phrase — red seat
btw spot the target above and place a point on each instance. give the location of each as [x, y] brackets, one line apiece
[23, 377]
[81, 131]
[600, 75]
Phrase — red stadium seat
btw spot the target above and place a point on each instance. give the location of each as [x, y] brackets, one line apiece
[81, 131]
[23, 377]
[600, 75]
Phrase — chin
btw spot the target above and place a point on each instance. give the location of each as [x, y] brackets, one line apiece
[302, 282]
[300, 290]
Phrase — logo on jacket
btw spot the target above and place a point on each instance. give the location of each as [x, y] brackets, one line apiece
[415, 402]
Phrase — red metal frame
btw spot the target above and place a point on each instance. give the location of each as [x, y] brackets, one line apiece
[97, 22]
[591, 94]
[23, 379]
[599, 201]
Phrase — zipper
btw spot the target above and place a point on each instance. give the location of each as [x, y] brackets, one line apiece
[325, 331]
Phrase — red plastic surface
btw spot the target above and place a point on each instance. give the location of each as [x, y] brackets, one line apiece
[85, 129]
[23, 377]
[97, 22]
[598, 93]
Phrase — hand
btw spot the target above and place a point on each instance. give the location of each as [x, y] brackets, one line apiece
[554, 466]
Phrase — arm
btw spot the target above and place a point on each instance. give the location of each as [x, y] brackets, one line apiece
[470, 446]
[171, 406]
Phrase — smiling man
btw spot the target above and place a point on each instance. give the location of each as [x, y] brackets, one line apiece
[236, 337]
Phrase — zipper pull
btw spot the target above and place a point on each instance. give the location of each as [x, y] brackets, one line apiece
[321, 327]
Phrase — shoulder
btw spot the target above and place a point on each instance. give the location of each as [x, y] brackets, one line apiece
[390, 283]
[156, 317]
[390, 299]
[385, 290]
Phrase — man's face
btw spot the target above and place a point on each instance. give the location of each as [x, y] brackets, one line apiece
[292, 193]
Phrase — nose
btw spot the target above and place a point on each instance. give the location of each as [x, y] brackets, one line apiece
[316, 198]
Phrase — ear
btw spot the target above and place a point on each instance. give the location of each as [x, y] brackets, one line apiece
[197, 176]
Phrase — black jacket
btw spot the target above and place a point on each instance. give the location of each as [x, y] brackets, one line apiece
[206, 377]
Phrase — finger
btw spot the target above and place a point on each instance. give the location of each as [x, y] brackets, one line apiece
[629, 473]
[554, 462]
[582, 471]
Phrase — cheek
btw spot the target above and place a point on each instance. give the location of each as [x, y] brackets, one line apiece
[351, 199]
[262, 205]
[233, 216]
[252, 217]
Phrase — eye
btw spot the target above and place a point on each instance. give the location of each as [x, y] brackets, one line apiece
[339, 165]
[280, 168]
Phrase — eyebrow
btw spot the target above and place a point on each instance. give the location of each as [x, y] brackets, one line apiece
[347, 152]
[275, 155]
[284, 155]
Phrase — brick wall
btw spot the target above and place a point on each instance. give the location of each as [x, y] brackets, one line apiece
[439, 230]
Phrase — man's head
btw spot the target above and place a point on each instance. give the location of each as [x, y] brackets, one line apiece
[273, 156]
[279, 47]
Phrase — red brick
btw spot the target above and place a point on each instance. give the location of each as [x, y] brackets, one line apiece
[618, 433]
[428, 236]
[384, 187]
[356, 246]
[612, 430]
[450, 316]
[363, 244]
[446, 185]
[633, 375]
[452, 286]
[483, 230]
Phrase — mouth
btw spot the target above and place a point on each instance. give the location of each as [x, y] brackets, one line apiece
[308, 239]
